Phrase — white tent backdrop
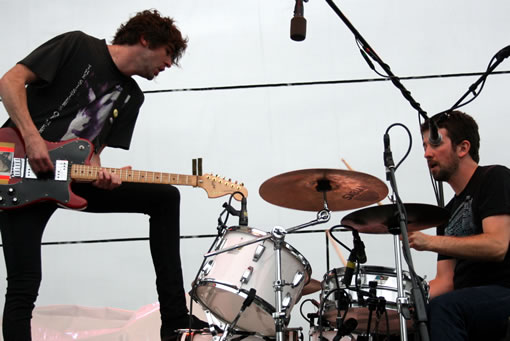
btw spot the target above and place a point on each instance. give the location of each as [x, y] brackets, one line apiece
[253, 134]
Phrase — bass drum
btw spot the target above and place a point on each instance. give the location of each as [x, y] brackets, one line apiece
[386, 279]
[225, 280]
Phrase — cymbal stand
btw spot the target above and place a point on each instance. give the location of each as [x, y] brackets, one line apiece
[278, 233]
[402, 300]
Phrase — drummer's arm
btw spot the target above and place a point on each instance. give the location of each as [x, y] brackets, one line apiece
[443, 282]
[491, 245]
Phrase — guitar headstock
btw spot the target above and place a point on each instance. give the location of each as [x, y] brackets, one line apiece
[216, 186]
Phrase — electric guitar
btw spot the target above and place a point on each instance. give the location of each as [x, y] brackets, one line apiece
[19, 185]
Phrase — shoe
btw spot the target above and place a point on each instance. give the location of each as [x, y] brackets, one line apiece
[173, 337]
[169, 329]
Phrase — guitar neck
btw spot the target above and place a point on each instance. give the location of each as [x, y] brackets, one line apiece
[87, 173]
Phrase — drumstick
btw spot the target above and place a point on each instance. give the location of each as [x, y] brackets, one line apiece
[350, 168]
[337, 249]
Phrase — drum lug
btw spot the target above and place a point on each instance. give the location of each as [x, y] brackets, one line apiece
[258, 252]
[207, 267]
[245, 278]
[298, 278]
[221, 244]
[286, 301]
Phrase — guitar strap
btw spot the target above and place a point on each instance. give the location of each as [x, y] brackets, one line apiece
[119, 103]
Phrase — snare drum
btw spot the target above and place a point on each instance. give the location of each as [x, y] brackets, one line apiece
[386, 279]
[226, 278]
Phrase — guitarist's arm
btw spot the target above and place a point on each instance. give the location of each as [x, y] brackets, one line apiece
[105, 179]
[14, 98]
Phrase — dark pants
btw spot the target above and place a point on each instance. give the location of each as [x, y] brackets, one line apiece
[22, 232]
[479, 313]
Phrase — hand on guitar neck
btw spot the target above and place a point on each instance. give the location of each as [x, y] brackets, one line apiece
[105, 179]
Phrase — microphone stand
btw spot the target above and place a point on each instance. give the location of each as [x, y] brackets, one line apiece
[368, 49]
[500, 56]
[394, 79]
[402, 301]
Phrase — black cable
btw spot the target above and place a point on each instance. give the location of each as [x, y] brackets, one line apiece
[410, 141]
[332, 229]
[135, 239]
[324, 82]
[301, 309]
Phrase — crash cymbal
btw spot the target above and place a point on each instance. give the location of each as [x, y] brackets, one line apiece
[311, 287]
[303, 189]
[378, 219]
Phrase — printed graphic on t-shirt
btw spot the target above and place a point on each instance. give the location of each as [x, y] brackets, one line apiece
[461, 221]
[89, 120]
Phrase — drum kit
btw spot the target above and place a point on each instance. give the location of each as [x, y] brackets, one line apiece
[250, 280]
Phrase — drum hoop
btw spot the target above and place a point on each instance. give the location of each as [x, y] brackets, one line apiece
[290, 248]
[371, 270]
[267, 307]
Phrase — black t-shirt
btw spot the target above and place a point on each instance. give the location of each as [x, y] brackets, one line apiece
[486, 194]
[79, 90]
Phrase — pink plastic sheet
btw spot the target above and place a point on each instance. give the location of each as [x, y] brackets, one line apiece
[72, 322]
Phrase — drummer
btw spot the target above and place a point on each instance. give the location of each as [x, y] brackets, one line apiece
[470, 295]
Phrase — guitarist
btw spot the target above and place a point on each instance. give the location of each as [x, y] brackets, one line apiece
[76, 85]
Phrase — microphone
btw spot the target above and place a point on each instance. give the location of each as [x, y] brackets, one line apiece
[349, 268]
[357, 255]
[503, 53]
[243, 215]
[388, 156]
[298, 23]
[249, 299]
[435, 137]
[359, 246]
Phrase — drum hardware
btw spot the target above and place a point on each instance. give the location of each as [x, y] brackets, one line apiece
[384, 219]
[399, 209]
[207, 265]
[210, 320]
[210, 287]
[387, 219]
[375, 304]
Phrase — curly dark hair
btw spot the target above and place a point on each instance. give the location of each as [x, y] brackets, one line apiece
[460, 126]
[156, 30]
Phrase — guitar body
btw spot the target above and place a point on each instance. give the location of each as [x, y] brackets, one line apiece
[18, 190]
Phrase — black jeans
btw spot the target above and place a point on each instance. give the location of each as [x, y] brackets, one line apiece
[478, 313]
[22, 232]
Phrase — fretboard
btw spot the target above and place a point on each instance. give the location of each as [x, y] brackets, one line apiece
[86, 173]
